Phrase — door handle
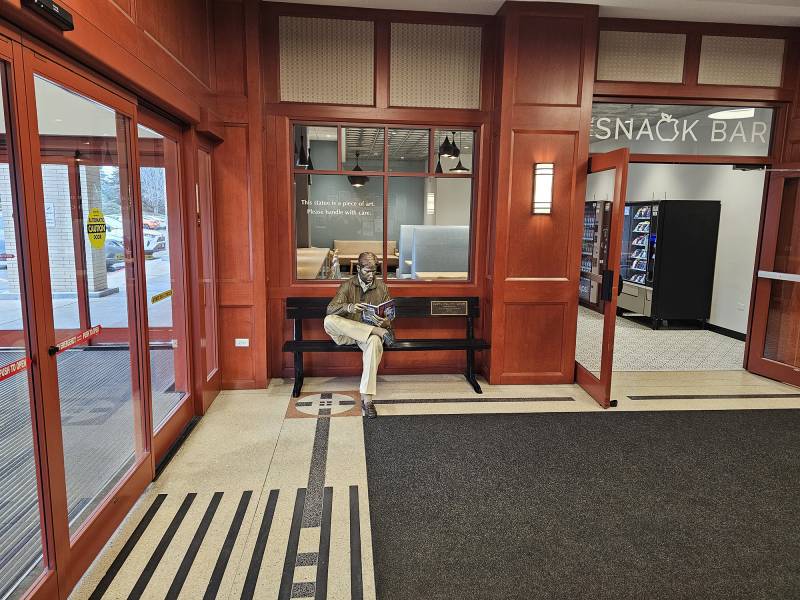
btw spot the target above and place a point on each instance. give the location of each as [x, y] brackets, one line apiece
[607, 286]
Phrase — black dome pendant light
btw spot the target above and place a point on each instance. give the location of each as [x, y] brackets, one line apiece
[310, 165]
[357, 181]
[438, 165]
[302, 159]
[456, 151]
[459, 168]
[446, 148]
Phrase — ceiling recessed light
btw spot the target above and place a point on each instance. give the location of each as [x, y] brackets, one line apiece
[734, 113]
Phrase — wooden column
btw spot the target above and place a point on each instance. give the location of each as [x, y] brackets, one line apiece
[543, 103]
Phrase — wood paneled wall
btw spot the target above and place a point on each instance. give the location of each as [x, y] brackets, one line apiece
[280, 242]
[239, 196]
[163, 51]
[543, 103]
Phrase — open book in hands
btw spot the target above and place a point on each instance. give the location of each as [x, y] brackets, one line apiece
[373, 313]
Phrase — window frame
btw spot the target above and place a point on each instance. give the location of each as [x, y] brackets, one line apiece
[385, 174]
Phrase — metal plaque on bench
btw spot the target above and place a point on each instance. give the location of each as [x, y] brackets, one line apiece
[449, 307]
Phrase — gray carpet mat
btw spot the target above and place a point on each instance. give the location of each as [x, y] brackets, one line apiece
[585, 505]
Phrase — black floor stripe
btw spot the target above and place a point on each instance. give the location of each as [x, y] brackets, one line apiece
[250, 582]
[287, 578]
[194, 547]
[321, 591]
[161, 549]
[115, 567]
[474, 400]
[227, 547]
[356, 581]
[711, 396]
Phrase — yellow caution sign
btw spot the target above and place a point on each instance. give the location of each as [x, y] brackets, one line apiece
[96, 228]
[160, 297]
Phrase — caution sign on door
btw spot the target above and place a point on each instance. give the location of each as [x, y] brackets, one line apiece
[96, 228]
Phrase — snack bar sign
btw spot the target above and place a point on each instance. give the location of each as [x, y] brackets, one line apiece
[669, 129]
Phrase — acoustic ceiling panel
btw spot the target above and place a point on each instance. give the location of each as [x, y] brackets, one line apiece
[741, 61]
[435, 66]
[641, 56]
[326, 61]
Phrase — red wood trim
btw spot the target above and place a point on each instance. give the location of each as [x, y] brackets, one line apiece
[676, 90]
[382, 63]
[691, 27]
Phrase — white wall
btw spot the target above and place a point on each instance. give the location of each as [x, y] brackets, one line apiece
[740, 194]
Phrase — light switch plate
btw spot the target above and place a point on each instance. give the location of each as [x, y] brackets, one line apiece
[241, 342]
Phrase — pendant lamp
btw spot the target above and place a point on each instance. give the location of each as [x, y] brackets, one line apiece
[439, 164]
[459, 168]
[446, 148]
[456, 151]
[302, 159]
[310, 165]
[357, 181]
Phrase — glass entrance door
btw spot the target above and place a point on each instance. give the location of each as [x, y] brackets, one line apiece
[209, 359]
[22, 538]
[162, 240]
[599, 272]
[774, 342]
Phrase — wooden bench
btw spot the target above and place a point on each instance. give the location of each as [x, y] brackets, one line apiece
[467, 308]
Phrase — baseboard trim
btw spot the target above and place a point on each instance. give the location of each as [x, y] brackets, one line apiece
[727, 332]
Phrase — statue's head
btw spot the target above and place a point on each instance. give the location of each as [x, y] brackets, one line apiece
[367, 266]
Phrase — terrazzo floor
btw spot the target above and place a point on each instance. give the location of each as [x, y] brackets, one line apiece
[268, 496]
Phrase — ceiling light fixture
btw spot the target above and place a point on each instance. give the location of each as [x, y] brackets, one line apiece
[446, 148]
[438, 165]
[456, 152]
[734, 113]
[302, 157]
[357, 181]
[459, 168]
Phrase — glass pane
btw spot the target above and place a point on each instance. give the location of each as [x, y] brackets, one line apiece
[594, 260]
[454, 151]
[209, 266]
[408, 150]
[315, 148]
[336, 218]
[783, 323]
[166, 319]
[105, 264]
[362, 148]
[20, 525]
[787, 249]
[429, 227]
[98, 422]
[59, 190]
[681, 129]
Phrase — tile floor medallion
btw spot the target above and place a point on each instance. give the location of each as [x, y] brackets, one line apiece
[325, 404]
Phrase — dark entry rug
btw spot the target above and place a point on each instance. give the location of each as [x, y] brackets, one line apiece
[576, 506]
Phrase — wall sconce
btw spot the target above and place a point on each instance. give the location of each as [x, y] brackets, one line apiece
[542, 203]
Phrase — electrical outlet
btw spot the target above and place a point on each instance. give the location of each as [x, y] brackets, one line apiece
[241, 342]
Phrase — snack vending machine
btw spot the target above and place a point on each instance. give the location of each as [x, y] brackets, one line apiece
[594, 253]
[669, 250]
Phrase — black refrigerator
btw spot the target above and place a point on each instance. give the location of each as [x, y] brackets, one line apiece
[669, 251]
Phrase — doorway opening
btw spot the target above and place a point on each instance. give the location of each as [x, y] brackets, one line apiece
[690, 238]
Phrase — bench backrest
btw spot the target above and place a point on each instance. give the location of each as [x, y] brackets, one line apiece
[461, 306]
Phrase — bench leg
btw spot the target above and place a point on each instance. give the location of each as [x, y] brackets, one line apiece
[298, 374]
[470, 373]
